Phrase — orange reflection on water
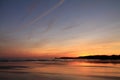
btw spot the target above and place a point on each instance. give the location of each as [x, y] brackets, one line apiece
[71, 70]
[77, 63]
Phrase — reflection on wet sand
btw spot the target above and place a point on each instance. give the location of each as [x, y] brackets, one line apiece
[59, 70]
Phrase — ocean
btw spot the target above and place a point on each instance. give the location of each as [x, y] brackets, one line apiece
[60, 70]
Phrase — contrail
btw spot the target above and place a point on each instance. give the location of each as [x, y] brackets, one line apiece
[71, 26]
[42, 15]
[39, 16]
[50, 25]
[47, 12]
[30, 9]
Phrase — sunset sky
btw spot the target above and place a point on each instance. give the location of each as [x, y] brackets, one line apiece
[54, 28]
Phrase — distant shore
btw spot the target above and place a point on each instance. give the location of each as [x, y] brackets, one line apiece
[100, 57]
[90, 57]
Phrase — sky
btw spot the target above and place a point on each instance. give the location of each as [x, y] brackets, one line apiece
[55, 28]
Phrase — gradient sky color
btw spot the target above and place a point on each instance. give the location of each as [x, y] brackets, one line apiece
[53, 28]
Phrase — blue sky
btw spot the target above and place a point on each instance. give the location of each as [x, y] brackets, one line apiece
[58, 24]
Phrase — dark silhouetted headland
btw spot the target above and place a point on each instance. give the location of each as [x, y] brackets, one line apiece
[101, 57]
[115, 59]
[91, 57]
